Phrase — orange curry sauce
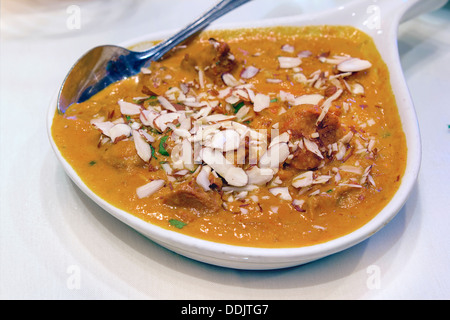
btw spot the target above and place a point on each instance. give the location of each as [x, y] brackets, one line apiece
[315, 100]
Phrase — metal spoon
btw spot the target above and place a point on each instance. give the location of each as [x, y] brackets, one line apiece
[107, 64]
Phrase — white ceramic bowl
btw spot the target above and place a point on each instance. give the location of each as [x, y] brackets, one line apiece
[362, 15]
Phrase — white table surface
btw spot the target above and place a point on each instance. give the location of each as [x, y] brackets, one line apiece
[50, 231]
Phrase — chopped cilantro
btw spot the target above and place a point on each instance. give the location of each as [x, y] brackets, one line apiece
[153, 152]
[274, 100]
[238, 106]
[92, 162]
[162, 150]
[177, 223]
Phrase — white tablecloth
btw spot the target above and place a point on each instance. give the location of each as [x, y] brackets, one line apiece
[57, 244]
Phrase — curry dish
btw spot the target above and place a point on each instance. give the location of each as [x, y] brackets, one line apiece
[273, 137]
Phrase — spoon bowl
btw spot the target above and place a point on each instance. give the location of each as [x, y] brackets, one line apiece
[104, 65]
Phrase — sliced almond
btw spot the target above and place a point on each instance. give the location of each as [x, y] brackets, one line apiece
[357, 89]
[288, 48]
[322, 179]
[163, 120]
[260, 102]
[146, 135]
[304, 54]
[300, 78]
[226, 140]
[334, 59]
[229, 80]
[187, 155]
[167, 168]
[286, 96]
[289, 62]
[242, 113]
[275, 155]
[166, 104]
[104, 127]
[217, 118]
[259, 176]
[175, 94]
[249, 72]
[234, 176]
[313, 147]
[346, 139]
[183, 133]
[149, 188]
[128, 108]
[147, 117]
[327, 104]
[119, 130]
[353, 65]
[282, 193]
[142, 147]
[308, 99]
[203, 178]
[303, 180]
[284, 137]
[351, 169]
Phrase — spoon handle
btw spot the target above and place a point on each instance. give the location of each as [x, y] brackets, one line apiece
[214, 13]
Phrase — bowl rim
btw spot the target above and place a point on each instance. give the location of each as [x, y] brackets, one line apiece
[248, 257]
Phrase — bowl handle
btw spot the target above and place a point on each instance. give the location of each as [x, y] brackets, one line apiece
[378, 18]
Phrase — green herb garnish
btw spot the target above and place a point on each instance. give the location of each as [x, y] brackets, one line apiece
[177, 223]
[238, 106]
[162, 149]
[386, 134]
[153, 152]
[92, 162]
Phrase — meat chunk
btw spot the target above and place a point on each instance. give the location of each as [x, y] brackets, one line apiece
[301, 121]
[329, 129]
[304, 160]
[319, 204]
[342, 197]
[190, 195]
[348, 197]
[215, 61]
[222, 62]
[122, 155]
